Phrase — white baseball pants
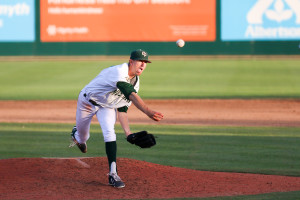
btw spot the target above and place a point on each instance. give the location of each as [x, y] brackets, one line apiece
[85, 111]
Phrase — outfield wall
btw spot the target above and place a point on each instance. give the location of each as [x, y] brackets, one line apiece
[115, 27]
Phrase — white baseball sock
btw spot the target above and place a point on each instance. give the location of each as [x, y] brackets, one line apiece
[113, 168]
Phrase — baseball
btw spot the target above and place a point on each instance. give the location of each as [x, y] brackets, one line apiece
[180, 43]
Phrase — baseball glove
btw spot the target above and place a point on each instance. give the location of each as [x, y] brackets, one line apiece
[142, 139]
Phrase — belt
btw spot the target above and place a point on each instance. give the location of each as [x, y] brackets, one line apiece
[91, 101]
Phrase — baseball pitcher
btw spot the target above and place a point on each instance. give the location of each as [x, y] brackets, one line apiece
[108, 96]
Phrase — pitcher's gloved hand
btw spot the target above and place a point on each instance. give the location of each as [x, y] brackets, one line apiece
[142, 139]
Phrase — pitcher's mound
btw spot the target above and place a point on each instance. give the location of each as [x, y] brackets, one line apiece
[86, 178]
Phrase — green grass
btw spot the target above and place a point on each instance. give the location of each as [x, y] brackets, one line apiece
[162, 79]
[271, 196]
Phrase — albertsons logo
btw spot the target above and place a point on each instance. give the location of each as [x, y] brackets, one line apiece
[274, 19]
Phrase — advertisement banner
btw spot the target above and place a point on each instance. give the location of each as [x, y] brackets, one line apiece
[127, 20]
[17, 23]
[251, 20]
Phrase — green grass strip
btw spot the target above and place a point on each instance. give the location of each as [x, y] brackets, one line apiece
[270, 196]
[46, 80]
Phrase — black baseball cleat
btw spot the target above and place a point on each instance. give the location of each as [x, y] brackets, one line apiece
[115, 181]
[82, 147]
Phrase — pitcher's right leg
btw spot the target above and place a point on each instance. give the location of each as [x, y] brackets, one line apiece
[84, 114]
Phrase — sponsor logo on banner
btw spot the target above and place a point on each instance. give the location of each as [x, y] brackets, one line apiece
[278, 11]
[52, 30]
[264, 20]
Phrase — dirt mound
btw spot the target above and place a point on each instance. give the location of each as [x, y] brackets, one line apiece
[86, 178]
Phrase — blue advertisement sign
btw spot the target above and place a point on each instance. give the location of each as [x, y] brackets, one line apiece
[17, 23]
[251, 20]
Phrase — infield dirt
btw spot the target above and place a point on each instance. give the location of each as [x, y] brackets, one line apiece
[232, 112]
[85, 178]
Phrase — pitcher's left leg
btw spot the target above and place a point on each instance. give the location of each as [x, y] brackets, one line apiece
[107, 118]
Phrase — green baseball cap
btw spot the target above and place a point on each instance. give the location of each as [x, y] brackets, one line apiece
[140, 54]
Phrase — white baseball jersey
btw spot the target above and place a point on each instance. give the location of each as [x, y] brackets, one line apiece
[103, 89]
